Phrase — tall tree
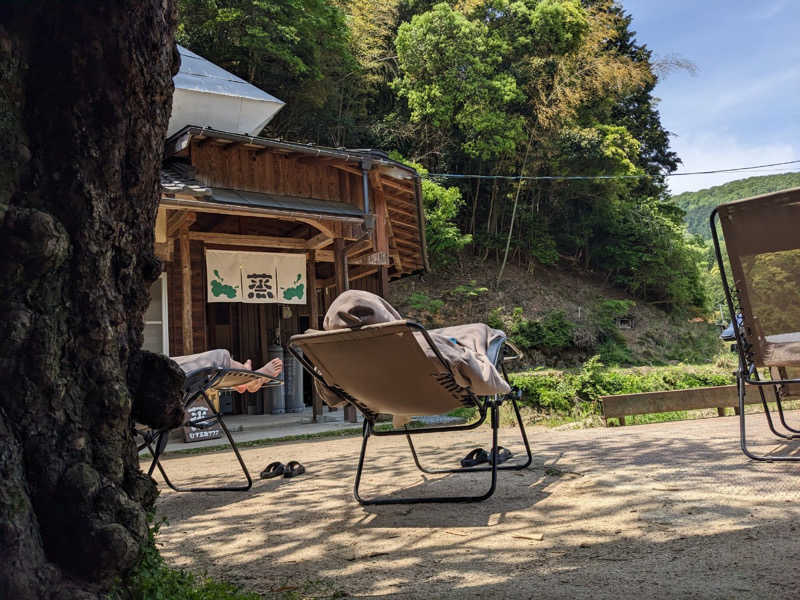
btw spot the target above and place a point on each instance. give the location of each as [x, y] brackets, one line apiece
[297, 50]
[85, 95]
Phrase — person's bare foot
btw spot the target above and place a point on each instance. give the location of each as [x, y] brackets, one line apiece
[273, 368]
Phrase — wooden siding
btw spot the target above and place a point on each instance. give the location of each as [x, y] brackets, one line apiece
[233, 165]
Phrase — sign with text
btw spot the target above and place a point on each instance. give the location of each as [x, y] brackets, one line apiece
[208, 430]
[256, 277]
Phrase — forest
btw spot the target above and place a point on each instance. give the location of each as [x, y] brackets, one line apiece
[544, 89]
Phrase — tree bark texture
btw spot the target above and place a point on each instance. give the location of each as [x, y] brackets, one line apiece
[85, 96]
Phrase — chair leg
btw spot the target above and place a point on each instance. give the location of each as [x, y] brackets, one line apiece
[162, 443]
[514, 467]
[743, 433]
[768, 415]
[781, 415]
[367, 431]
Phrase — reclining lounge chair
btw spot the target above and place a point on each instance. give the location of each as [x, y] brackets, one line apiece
[205, 383]
[396, 367]
[762, 238]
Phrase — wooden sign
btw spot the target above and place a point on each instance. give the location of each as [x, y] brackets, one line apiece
[210, 430]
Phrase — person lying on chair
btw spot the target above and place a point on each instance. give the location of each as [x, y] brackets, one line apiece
[222, 359]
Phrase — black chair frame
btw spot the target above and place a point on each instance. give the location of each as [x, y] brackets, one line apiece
[487, 406]
[747, 371]
[197, 385]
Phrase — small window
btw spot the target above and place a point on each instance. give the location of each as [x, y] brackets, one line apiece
[156, 330]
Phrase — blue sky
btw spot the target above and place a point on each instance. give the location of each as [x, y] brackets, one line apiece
[742, 107]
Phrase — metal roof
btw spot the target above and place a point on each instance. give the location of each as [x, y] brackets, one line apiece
[200, 75]
[289, 203]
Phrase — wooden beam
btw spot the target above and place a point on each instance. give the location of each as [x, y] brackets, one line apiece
[161, 225]
[397, 186]
[311, 281]
[381, 237]
[375, 258]
[163, 250]
[347, 168]
[261, 241]
[408, 226]
[184, 203]
[340, 266]
[407, 243]
[179, 220]
[319, 241]
[354, 274]
[402, 211]
[358, 246]
[657, 402]
[329, 229]
[186, 289]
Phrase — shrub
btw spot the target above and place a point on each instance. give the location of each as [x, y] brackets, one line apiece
[577, 392]
[420, 301]
[469, 290]
[552, 333]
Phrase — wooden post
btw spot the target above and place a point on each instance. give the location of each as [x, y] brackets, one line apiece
[186, 275]
[311, 282]
[340, 266]
[342, 284]
[381, 237]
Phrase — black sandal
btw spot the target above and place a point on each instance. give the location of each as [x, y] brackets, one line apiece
[475, 457]
[273, 470]
[503, 454]
[293, 468]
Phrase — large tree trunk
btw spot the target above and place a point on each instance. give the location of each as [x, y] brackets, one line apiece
[85, 95]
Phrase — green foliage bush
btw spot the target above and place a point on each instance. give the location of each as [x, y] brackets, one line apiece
[576, 392]
[420, 301]
[552, 333]
[612, 348]
[469, 290]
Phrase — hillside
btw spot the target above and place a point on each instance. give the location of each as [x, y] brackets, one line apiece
[562, 315]
[698, 205]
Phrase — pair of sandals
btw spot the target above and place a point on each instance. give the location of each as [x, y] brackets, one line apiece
[479, 456]
[276, 469]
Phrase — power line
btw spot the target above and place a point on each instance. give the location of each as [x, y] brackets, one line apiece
[590, 177]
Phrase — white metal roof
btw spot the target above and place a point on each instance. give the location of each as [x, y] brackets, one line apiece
[209, 96]
[201, 75]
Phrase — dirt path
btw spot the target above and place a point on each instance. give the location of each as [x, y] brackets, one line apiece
[656, 511]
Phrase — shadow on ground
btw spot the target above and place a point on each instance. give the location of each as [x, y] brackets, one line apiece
[654, 511]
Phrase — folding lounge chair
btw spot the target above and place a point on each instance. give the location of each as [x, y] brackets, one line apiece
[762, 237]
[383, 368]
[206, 383]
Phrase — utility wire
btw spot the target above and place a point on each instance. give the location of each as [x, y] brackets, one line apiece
[585, 177]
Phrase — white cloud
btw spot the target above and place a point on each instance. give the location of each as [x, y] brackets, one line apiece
[708, 152]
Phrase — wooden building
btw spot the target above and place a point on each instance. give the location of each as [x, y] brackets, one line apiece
[355, 215]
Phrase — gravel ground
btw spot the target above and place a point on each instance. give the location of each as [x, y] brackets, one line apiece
[670, 510]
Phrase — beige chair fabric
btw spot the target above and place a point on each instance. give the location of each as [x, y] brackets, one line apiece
[391, 368]
[762, 238]
[384, 368]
